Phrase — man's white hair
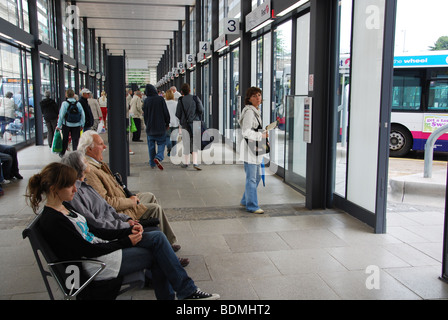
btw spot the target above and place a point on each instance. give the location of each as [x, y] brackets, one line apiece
[86, 140]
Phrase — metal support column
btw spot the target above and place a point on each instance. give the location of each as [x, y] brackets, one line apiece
[116, 113]
[245, 48]
[35, 67]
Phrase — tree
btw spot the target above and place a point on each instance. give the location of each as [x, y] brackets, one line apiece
[441, 44]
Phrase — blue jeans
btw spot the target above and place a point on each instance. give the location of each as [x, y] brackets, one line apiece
[155, 253]
[253, 177]
[161, 141]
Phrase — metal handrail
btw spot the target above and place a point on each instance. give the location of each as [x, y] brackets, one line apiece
[429, 150]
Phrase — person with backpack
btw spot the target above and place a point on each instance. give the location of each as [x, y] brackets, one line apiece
[71, 121]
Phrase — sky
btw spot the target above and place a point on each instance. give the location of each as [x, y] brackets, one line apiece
[418, 25]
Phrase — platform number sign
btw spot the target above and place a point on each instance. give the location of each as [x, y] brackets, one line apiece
[190, 60]
[204, 47]
[231, 26]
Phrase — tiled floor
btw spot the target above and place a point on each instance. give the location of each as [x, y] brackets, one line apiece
[287, 253]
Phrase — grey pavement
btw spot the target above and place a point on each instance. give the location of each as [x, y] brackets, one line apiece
[288, 253]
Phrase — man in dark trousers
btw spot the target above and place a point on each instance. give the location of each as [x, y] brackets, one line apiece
[157, 121]
[50, 111]
[9, 162]
[85, 94]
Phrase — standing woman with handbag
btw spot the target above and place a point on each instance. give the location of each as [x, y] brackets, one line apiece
[250, 123]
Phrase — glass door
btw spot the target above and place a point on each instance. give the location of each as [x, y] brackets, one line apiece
[296, 147]
[282, 39]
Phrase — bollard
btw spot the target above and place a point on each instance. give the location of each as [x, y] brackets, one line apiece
[429, 150]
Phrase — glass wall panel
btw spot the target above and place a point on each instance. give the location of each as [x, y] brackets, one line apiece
[221, 82]
[234, 92]
[46, 21]
[81, 44]
[266, 78]
[9, 11]
[281, 88]
[296, 148]
[15, 98]
[343, 96]
[365, 95]
[253, 64]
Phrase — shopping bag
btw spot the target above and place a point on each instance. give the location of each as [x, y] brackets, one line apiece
[133, 127]
[57, 142]
[100, 127]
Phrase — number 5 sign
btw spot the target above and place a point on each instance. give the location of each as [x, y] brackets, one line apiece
[231, 26]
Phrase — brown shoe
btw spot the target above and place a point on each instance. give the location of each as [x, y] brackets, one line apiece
[184, 262]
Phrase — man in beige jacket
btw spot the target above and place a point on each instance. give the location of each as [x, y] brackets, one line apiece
[139, 207]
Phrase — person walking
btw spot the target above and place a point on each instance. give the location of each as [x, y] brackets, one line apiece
[71, 121]
[189, 109]
[171, 104]
[96, 111]
[250, 122]
[157, 121]
[85, 94]
[50, 111]
[103, 105]
[136, 112]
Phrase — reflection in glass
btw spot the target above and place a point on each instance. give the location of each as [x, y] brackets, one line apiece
[343, 95]
[281, 88]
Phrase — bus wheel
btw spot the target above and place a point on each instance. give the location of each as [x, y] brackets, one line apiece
[400, 142]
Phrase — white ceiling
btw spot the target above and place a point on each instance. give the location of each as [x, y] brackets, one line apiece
[141, 28]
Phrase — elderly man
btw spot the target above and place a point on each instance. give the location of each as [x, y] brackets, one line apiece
[85, 94]
[139, 207]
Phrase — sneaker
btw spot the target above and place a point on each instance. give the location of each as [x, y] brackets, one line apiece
[184, 166]
[18, 176]
[201, 295]
[197, 167]
[158, 164]
[258, 211]
[5, 181]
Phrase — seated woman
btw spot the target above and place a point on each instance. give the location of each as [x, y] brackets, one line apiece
[98, 213]
[124, 251]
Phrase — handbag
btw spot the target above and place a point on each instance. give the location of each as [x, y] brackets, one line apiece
[56, 147]
[258, 147]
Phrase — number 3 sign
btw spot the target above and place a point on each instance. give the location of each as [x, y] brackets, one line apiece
[231, 26]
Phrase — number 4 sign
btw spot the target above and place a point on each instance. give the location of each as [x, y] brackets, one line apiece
[204, 47]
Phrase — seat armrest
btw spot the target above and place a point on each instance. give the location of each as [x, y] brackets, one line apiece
[71, 295]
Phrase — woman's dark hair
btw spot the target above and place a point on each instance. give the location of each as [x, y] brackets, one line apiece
[56, 175]
[249, 93]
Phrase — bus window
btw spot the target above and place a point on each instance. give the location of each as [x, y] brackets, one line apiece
[407, 92]
[438, 96]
